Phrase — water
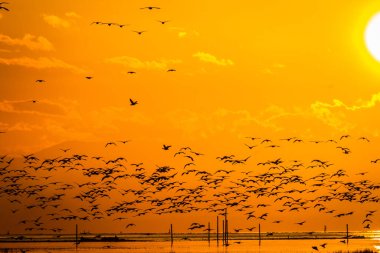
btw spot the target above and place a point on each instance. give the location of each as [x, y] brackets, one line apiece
[269, 246]
[191, 243]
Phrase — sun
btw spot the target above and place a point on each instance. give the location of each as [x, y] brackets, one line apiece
[372, 36]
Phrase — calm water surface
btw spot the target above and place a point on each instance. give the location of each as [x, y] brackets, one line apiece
[239, 246]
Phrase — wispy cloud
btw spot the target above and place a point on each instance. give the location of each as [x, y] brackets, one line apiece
[223, 120]
[206, 57]
[56, 21]
[361, 104]
[183, 33]
[72, 14]
[27, 107]
[274, 68]
[131, 62]
[32, 42]
[337, 113]
[41, 63]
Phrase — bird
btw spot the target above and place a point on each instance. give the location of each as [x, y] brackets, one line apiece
[139, 32]
[150, 8]
[89, 77]
[133, 102]
[40, 81]
[163, 21]
[97, 23]
[110, 143]
[130, 225]
[249, 146]
[364, 139]
[166, 147]
[171, 70]
[315, 248]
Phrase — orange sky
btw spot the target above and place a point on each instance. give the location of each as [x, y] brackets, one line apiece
[272, 69]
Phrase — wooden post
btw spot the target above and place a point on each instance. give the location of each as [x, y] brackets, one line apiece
[217, 230]
[226, 229]
[76, 235]
[208, 235]
[347, 233]
[171, 234]
[259, 234]
[223, 232]
[227, 233]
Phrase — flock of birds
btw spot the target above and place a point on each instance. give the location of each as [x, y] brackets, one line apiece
[80, 187]
[101, 188]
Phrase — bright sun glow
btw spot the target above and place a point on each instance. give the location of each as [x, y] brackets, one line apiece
[372, 36]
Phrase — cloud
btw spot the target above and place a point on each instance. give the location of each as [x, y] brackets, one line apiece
[32, 42]
[72, 15]
[56, 21]
[182, 34]
[41, 63]
[366, 104]
[223, 121]
[337, 113]
[273, 69]
[27, 107]
[135, 63]
[206, 57]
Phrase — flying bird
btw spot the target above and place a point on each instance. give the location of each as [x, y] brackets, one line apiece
[150, 8]
[163, 22]
[139, 32]
[130, 225]
[133, 102]
[110, 143]
[166, 147]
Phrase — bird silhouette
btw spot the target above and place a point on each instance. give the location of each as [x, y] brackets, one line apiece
[166, 147]
[163, 21]
[139, 32]
[150, 8]
[2, 7]
[133, 102]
